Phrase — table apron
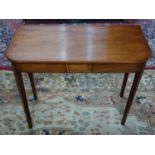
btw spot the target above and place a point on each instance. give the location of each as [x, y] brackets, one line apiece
[78, 67]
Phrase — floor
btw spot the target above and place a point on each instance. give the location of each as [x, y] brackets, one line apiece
[77, 104]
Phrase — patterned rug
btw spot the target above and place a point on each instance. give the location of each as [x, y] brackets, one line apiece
[77, 104]
[8, 27]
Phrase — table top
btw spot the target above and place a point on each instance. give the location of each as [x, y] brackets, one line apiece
[78, 43]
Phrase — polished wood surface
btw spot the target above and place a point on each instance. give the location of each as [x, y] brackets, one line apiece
[125, 79]
[78, 48]
[41, 67]
[22, 93]
[33, 85]
[78, 43]
[133, 90]
[78, 67]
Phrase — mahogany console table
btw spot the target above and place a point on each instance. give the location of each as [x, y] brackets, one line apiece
[78, 48]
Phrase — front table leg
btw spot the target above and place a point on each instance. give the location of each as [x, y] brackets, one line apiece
[131, 95]
[20, 85]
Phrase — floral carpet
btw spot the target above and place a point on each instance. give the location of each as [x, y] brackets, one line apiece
[77, 104]
[8, 27]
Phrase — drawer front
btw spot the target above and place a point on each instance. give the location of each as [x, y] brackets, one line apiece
[31, 67]
[77, 68]
[116, 68]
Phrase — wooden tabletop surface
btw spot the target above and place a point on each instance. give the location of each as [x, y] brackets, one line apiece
[78, 43]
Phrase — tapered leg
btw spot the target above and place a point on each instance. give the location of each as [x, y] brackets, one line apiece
[124, 84]
[131, 95]
[20, 85]
[33, 85]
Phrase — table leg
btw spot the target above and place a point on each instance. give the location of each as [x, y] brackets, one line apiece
[131, 95]
[33, 85]
[20, 85]
[124, 84]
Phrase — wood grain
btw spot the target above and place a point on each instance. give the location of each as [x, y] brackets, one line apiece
[71, 43]
[77, 68]
[116, 68]
[40, 67]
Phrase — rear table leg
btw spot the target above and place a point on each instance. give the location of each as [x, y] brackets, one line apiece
[33, 85]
